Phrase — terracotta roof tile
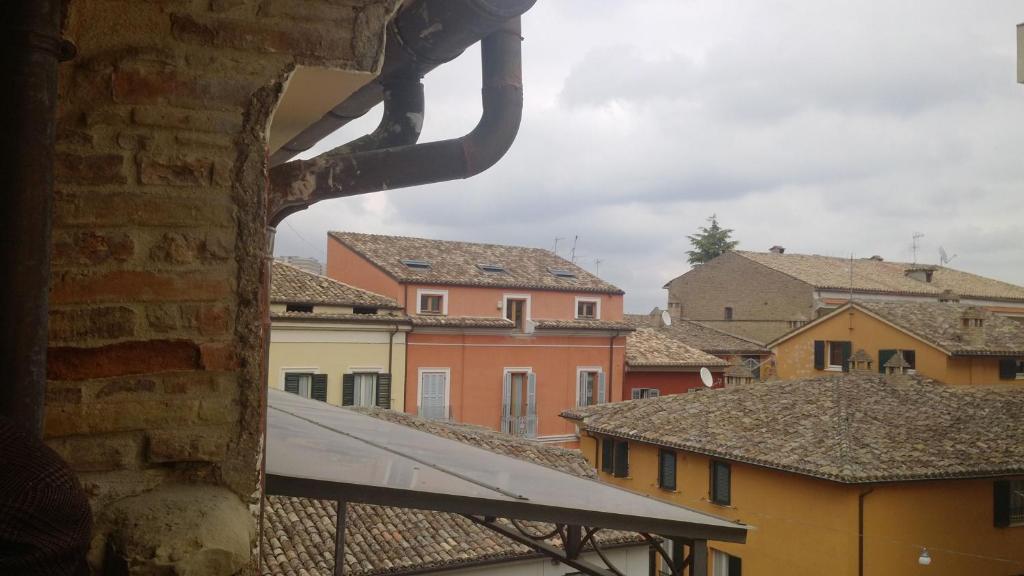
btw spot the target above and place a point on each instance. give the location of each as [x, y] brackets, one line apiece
[292, 285]
[871, 275]
[298, 534]
[940, 323]
[656, 347]
[857, 427]
[700, 336]
[462, 263]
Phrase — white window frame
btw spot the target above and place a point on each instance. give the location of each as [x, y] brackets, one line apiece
[1020, 368]
[576, 307]
[579, 371]
[504, 306]
[420, 292]
[829, 366]
[634, 393]
[298, 370]
[447, 388]
[719, 563]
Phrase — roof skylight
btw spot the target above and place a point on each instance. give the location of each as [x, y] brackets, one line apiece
[491, 267]
[562, 272]
[417, 264]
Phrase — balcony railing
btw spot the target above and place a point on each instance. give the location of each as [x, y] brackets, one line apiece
[525, 426]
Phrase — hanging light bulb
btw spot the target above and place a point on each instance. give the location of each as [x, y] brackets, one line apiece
[924, 559]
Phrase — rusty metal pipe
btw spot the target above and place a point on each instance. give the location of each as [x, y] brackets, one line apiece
[421, 37]
[28, 103]
[297, 185]
[401, 123]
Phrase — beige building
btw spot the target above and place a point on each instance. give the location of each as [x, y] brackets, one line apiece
[336, 343]
[763, 295]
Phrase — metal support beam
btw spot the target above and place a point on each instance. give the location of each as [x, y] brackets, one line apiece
[543, 548]
[339, 539]
[679, 559]
[573, 542]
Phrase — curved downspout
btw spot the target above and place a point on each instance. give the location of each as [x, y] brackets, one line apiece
[296, 185]
[402, 120]
[860, 530]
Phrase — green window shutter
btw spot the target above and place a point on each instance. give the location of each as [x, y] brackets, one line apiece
[291, 383]
[348, 389]
[847, 352]
[883, 357]
[735, 566]
[819, 354]
[667, 469]
[721, 483]
[621, 459]
[318, 390]
[607, 455]
[1001, 503]
[1007, 368]
[384, 390]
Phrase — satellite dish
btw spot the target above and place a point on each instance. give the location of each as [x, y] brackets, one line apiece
[705, 377]
[944, 257]
[666, 318]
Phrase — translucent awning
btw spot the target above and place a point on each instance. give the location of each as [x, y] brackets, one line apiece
[317, 450]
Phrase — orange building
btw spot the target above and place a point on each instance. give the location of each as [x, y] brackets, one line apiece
[948, 341]
[503, 336]
[847, 475]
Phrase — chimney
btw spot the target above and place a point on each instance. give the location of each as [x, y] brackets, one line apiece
[949, 297]
[777, 249]
[972, 326]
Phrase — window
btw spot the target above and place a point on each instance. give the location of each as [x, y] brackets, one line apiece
[432, 302]
[305, 308]
[667, 469]
[433, 396]
[832, 355]
[621, 468]
[306, 384]
[517, 310]
[607, 455]
[417, 264]
[908, 355]
[721, 483]
[364, 310]
[519, 402]
[366, 389]
[562, 273]
[590, 386]
[1011, 368]
[723, 564]
[491, 268]
[588, 308]
[728, 312]
[1008, 503]
[641, 393]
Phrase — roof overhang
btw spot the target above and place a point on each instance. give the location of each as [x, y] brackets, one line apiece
[316, 450]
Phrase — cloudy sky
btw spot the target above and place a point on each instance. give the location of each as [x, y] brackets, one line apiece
[829, 127]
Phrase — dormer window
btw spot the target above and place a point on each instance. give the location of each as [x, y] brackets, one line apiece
[417, 264]
[364, 310]
[304, 308]
[562, 273]
[491, 268]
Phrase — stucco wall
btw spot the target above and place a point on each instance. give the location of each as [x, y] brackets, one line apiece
[667, 382]
[544, 304]
[335, 350]
[346, 266]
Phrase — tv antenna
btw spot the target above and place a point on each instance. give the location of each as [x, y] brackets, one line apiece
[944, 257]
[555, 249]
[597, 266]
[572, 253]
[913, 246]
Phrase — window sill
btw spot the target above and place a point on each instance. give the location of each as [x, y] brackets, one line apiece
[669, 490]
[833, 369]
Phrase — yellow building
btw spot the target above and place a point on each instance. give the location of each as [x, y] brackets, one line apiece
[336, 343]
[846, 475]
[947, 341]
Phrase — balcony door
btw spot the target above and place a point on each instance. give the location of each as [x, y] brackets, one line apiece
[519, 403]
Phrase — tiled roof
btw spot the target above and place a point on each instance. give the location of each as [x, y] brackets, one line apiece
[870, 275]
[940, 324]
[857, 427]
[460, 263]
[700, 336]
[583, 325]
[460, 321]
[291, 285]
[653, 347]
[298, 534]
[329, 317]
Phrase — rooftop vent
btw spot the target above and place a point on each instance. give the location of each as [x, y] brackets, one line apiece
[417, 264]
[777, 249]
[562, 272]
[493, 268]
[949, 296]
[920, 273]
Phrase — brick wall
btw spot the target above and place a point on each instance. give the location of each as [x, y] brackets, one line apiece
[159, 234]
[763, 300]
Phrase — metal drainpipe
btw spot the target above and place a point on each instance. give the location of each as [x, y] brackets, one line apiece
[860, 530]
[297, 185]
[611, 364]
[28, 64]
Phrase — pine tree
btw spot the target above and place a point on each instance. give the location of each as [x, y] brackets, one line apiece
[711, 242]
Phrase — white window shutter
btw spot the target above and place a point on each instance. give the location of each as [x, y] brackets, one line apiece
[654, 393]
[634, 394]
[531, 405]
[506, 402]
[601, 397]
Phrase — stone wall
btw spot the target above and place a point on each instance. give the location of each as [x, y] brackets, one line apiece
[764, 301]
[159, 248]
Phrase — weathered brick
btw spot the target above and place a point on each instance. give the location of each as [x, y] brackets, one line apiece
[177, 170]
[98, 418]
[218, 356]
[100, 452]
[91, 248]
[93, 169]
[181, 119]
[218, 410]
[151, 356]
[154, 82]
[140, 286]
[188, 248]
[97, 209]
[206, 444]
[263, 35]
[213, 320]
[192, 140]
[126, 388]
[310, 10]
[62, 394]
[103, 322]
